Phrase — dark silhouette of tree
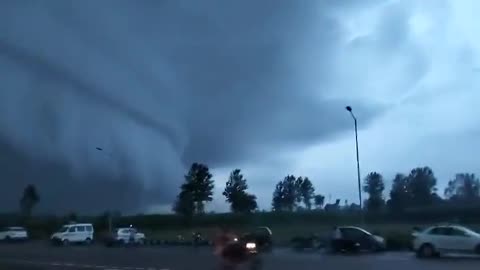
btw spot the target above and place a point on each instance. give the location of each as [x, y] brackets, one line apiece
[319, 201]
[248, 203]
[305, 192]
[285, 195]
[277, 200]
[236, 194]
[415, 190]
[421, 185]
[298, 195]
[465, 187]
[197, 189]
[374, 186]
[184, 204]
[29, 200]
[399, 194]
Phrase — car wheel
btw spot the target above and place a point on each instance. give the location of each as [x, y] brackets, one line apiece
[426, 251]
[8, 239]
[65, 242]
[88, 241]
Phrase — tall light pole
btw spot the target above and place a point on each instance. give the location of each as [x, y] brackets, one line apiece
[349, 109]
[109, 212]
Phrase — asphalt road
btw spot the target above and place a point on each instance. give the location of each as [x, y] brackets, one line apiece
[41, 256]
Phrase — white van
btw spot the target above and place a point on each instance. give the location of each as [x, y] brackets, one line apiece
[74, 233]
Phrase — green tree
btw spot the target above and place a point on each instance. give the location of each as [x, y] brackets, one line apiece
[202, 190]
[248, 203]
[197, 189]
[277, 200]
[465, 187]
[29, 200]
[290, 193]
[184, 204]
[421, 185]
[399, 194]
[298, 187]
[285, 195]
[374, 186]
[306, 192]
[319, 201]
[236, 194]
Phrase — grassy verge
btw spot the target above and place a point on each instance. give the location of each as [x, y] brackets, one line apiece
[397, 236]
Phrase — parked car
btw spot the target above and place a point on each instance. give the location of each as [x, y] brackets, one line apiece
[124, 236]
[13, 234]
[355, 239]
[443, 239]
[74, 233]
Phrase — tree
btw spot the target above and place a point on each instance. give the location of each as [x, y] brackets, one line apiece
[306, 191]
[277, 200]
[298, 187]
[29, 200]
[421, 185]
[184, 204]
[465, 187]
[236, 194]
[374, 186]
[415, 190]
[197, 189]
[248, 203]
[319, 201]
[285, 195]
[399, 194]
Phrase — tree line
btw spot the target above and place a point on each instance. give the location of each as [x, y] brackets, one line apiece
[417, 189]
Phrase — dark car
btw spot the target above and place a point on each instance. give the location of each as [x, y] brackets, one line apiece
[355, 239]
[262, 237]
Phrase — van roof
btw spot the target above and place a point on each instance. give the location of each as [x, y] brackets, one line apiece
[15, 228]
[79, 224]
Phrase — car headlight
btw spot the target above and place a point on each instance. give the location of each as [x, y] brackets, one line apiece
[235, 239]
[251, 245]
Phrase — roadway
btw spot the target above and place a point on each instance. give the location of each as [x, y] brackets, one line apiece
[41, 256]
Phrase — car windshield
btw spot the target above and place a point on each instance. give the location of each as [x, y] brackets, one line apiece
[467, 231]
[63, 229]
[362, 230]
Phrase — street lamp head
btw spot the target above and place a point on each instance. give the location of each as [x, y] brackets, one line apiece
[348, 108]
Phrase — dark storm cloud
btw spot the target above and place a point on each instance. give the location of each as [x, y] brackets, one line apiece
[159, 84]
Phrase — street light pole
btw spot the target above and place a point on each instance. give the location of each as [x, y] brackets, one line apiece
[349, 109]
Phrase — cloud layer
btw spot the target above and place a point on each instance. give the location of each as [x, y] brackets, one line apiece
[255, 85]
[159, 85]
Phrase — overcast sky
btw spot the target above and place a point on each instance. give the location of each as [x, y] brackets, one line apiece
[255, 85]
